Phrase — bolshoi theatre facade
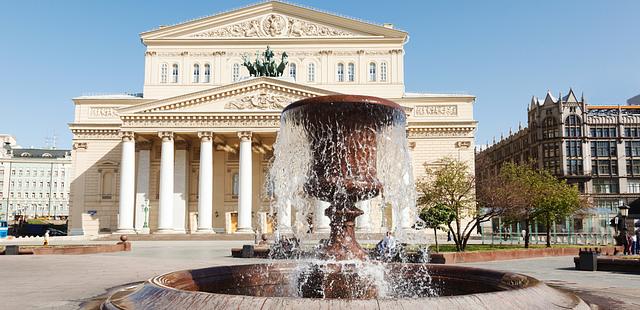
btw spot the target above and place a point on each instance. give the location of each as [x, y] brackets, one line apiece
[191, 153]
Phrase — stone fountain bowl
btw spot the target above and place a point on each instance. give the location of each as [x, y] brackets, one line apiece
[266, 286]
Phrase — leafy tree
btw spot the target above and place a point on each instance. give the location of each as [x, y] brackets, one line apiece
[437, 217]
[540, 196]
[451, 184]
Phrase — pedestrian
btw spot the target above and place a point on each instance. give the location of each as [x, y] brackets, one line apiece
[448, 235]
[638, 241]
[634, 244]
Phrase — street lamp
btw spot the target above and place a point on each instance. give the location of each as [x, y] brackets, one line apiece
[624, 212]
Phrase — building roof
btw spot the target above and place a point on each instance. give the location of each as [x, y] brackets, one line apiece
[40, 153]
[111, 96]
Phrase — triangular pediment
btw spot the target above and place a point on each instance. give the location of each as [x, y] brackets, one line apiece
[263, 94]
[272, 20]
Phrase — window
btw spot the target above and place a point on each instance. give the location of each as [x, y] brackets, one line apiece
[293, 70]
[196, 73]
[311, 72]
[633, 167]
[604, 167]
[107, 185]
[550, 129]
[351, 72]
[605, 186]
[573, 148]
[632, 132]
[383, 72]
[603, 148]
[164, 71]
[235, 73]
[372, 72]
[340, 73]
[574, 167]
[174, 73]
[603, 132]
[633, 186]
[572, 126]
[235, 187]
[207, 73]
[551, 150]
[632, 148]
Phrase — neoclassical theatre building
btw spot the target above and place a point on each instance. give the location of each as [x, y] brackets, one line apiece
[190, 154]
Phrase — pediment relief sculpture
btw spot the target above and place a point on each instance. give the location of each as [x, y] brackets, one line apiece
[262, 101]
[273, 25]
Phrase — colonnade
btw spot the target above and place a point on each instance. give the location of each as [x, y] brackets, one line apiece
[173, 191]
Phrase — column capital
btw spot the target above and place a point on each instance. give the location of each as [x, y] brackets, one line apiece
[165, 135]
[245, 135]
[127, 136]
[205, 136]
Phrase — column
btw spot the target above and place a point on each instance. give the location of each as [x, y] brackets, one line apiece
[127, 184]
[142, 187]
[320, 221]
[205, 183]
[284, 218]
[165, 209]
[363, 222]
[180, 185]
[245, 196]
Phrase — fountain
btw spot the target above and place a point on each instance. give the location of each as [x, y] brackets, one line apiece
[342, 149]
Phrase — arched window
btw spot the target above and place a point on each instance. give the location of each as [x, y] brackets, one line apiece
[235, 74]
[340, 72]
[292, 70]
[174, 73]
[47, 155]
[372, 72]
[383, 72]
[207, 73]
[572, 126]
[196, 73]
[164, 72]
[311, 72]
[351, 72]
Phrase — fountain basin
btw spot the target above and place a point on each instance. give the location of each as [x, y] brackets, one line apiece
[266, 286]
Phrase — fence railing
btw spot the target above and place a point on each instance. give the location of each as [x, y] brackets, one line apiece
[556, 238]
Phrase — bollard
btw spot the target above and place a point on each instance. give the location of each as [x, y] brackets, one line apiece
[588, 259]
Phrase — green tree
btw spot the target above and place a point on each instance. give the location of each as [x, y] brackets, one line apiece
[451, 184]
[540, 197]
[437, 217]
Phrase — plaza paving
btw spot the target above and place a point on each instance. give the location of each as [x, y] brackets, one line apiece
[71, 282]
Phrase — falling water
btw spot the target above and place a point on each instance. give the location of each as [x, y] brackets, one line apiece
[343, 158]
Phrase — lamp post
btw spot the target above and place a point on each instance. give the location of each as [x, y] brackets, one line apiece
[624, 212]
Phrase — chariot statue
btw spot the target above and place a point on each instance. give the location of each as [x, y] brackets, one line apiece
[265, 64]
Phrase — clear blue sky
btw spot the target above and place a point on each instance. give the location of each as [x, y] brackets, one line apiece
[501, 51]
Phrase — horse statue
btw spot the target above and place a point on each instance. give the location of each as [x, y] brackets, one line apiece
[265, 65]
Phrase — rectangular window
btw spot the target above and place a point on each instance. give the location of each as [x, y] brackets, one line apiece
[605, 186]
[574, 167]
[632, 148]
[604, 167]
[574, 148]
[351, 72]
[633, 132]
[604, 132]
[633, 186]
[340, 73]
[633, 167]
[603, 148]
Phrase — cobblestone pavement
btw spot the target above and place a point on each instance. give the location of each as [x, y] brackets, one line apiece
[75, 281]
[607, 290]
